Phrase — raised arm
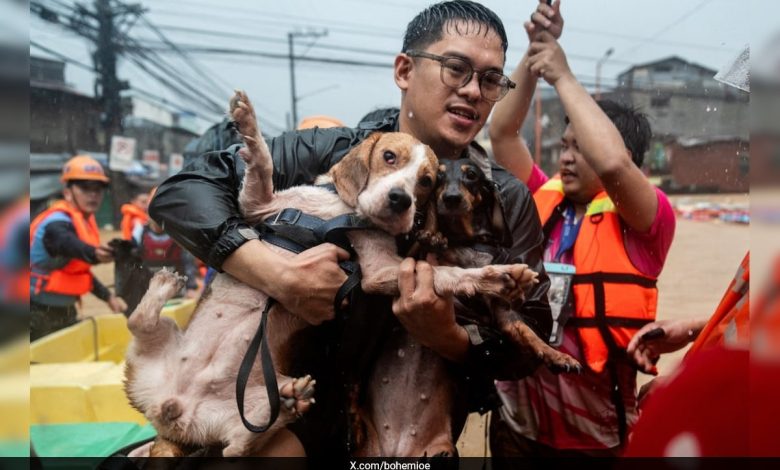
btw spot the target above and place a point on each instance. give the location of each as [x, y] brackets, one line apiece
[598, 139]
[509, 148]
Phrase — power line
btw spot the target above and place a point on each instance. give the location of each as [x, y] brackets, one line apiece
[242, 52]
[666, 28]
[194, 66]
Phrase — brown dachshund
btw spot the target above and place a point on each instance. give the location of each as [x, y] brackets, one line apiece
[469, 214]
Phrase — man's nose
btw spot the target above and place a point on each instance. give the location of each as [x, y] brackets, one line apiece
[471, 90]
[566, 157]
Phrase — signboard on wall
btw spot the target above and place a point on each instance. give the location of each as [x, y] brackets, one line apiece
[151, 158]
[122, 153]
[176, 163]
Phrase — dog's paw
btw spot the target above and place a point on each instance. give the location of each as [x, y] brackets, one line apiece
[434, 242]
[243, 114]
[559, 362]
[167, 283]
[298, 394]
[507, 281]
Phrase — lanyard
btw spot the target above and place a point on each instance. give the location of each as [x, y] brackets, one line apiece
[571, 228]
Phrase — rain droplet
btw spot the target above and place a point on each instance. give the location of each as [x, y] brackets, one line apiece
[401, 353]
[385, 380]
[423, 397]
[411, 115]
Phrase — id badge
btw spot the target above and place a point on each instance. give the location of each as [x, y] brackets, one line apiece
[560, 298]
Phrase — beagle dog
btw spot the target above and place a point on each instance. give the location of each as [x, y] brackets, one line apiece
[184, 382]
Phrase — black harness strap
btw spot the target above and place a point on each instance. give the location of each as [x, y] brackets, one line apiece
[259, 342]
[602, 322]
[295, 231]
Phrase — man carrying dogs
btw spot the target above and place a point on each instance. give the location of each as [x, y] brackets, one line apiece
[450, 76]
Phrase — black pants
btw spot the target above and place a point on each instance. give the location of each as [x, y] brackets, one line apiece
[510, 450]
[45, 319]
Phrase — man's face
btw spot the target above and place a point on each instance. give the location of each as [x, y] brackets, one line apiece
[85, 195]
[142, 201]
[448, 119]
[580, 182]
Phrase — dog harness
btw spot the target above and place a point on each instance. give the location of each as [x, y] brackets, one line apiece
[296, 231]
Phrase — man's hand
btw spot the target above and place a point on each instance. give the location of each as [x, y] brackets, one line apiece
[309, 282]
[429, 318]
[546, 59]
[661, 337]
[104, 254]
[547, 18]
[117, 304]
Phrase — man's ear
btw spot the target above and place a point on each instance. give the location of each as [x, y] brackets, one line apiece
[350, 175]
[403, 69]
[67, 194]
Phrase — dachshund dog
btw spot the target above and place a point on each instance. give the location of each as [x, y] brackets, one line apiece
[184, 382]
[469, 214]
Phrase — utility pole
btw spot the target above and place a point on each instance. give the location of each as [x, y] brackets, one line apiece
[291, 43]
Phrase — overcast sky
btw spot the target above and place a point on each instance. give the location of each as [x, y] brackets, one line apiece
[707, 32]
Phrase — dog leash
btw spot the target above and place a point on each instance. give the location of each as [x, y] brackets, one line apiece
[333, 231]
[259, 343]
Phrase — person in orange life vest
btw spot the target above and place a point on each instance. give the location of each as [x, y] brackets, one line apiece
[159, 250]
[134, 214]
[715, 371]
[64, 243]
[607, 231]
[14, 268]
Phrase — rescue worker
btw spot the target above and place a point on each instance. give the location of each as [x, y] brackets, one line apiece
[158, 250]
[607, 231]
[64, 244]
[14, 269]
[134, 214]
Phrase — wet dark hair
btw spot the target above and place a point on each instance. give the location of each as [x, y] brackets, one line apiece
[427, 27]
[632, 125]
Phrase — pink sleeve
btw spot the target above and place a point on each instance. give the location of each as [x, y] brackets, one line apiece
[537, 179]
[648, 250]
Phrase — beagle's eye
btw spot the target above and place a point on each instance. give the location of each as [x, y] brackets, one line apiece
[426, 181]
[389, 157]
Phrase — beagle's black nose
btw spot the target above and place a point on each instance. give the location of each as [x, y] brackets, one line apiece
[399, 200]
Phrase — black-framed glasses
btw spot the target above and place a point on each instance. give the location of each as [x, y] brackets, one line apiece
[457, 73]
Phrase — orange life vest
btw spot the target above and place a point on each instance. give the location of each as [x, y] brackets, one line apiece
[15, 283]
[75, 277]
[612, 298]
[131, 214]
[730, 324]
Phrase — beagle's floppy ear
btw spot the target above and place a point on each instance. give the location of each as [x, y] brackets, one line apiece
[350, 175]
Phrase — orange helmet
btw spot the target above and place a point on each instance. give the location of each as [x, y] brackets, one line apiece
[320, 121]
[83, 167]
